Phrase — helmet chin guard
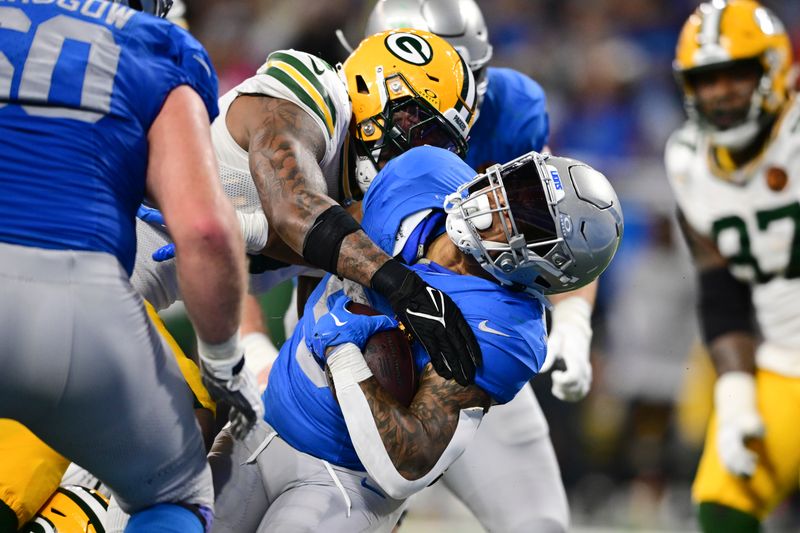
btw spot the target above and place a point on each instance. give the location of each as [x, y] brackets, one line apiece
[555, 223]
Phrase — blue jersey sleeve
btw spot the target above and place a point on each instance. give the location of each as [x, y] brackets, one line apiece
[513, 119]
[182, 61]
[509, 327]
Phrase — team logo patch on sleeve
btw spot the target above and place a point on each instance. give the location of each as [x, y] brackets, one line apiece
[410, 48]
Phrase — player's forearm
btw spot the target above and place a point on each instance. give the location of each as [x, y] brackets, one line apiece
[360, 258]
[587, 292]
[734, 352]
[399, 474]
[413, 445]
[416, 437]
[211, 274]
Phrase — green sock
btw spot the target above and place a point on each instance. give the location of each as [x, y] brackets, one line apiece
[8, 519]
[717, 518]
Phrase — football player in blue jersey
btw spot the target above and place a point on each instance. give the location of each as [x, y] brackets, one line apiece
[92, 96]
[344, 457]
[510, 477]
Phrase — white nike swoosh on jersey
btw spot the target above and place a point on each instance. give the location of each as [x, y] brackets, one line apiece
[484, 326]
[337, 321]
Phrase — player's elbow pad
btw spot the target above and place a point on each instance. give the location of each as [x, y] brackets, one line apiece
[725, 304]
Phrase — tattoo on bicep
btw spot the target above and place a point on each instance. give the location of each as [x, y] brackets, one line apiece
[284, 162]
[415, 437]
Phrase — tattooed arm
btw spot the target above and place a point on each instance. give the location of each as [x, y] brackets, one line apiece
[415, 437]
[404, 449]
[285, 147]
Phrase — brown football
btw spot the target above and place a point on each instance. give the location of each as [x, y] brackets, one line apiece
[388, 355]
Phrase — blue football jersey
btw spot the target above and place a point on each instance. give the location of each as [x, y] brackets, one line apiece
[513, 119]
[508, 325]
[81, 82]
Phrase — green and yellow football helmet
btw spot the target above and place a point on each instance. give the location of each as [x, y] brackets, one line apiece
[408, 88]
[723, 33]
[71, 509]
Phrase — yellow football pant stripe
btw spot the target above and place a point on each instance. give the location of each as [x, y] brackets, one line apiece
[190, 371]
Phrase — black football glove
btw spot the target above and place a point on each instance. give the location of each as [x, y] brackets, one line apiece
[433, 319]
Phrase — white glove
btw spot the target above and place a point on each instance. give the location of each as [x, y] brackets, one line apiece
[255, 230]
[228, 379]
[737, 421]
[569, 341]
[259, 354]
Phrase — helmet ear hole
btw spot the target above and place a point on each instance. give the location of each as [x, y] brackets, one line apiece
[361, 85]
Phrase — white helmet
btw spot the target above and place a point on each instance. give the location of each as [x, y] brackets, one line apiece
[561, 219]
[460, 22]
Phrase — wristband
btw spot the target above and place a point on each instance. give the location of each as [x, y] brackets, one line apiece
[348, 366]
[734, 394]
[223, 351]
[255, 230]
[258, 350]
[574, 310]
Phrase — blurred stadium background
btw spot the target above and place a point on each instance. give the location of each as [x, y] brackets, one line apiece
[629, 450]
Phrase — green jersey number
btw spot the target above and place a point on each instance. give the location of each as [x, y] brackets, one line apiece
[763, 218]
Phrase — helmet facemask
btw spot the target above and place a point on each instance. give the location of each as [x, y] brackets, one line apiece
[731, 128]
[404, 123]
[522, 197]
[159, 8]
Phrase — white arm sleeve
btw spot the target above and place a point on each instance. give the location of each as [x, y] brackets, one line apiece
[255, 230]
[348, 368]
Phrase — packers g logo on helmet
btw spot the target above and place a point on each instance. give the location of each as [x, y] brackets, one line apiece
[721, 32]
[407, 88]
[409, 48]
[71, 509]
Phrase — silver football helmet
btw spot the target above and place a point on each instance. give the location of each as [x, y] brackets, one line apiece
[159, 8]
[460, 22]
[561, 219]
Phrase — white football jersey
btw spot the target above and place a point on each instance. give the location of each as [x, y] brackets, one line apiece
[753, 216]
[297, 77]
[304, 80]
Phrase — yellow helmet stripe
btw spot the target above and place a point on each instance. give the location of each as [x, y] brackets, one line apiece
[290, 75]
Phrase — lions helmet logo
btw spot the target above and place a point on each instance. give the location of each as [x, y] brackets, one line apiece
[410, 48]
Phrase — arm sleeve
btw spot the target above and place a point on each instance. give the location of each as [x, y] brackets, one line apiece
[370, 448]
